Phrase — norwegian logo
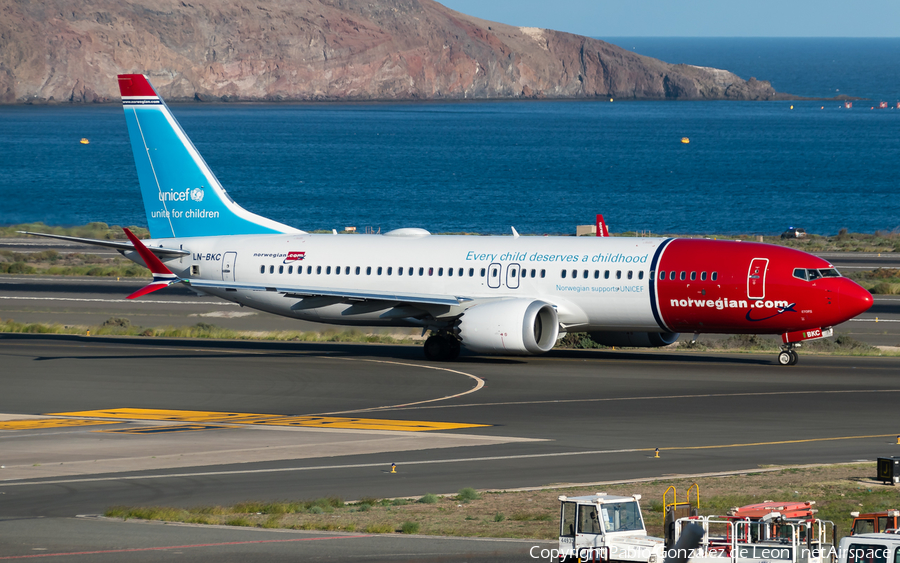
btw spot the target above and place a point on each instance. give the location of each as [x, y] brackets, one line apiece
[294, 257]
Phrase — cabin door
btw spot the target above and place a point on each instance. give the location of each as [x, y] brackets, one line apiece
[756, 278]
[228, 260]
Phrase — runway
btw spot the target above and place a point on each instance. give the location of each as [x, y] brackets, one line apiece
[570, 417]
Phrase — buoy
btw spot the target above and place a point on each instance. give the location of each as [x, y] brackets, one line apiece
[84, 141]
[88, 332]
[393, 468]
[657, 453]
[685, 140]
[792, 107]
[610, 99]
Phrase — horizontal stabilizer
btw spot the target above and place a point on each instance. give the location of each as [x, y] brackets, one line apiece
[118, 245]
[162, 276]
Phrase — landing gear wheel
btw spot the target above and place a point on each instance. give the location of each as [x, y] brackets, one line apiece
[795, 357]
[454, 349]
[785, 358]
[437, 348]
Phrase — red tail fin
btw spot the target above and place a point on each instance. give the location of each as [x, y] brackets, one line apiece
[602, 230]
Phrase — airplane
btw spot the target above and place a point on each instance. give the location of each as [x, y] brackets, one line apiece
[509, 295]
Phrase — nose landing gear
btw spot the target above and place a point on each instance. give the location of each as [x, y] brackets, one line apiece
[788, 355]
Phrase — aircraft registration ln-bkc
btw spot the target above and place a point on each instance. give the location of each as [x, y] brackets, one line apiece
[491, 295]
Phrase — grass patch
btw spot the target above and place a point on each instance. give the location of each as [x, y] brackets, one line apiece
[837, 490]
[428, 499]
[467, 494]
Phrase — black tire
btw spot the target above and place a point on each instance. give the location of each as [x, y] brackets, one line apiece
[785, 358]
[454, 349]
[437, 348]
[795, 357]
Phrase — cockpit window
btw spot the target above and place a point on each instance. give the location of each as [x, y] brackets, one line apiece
[811, 275]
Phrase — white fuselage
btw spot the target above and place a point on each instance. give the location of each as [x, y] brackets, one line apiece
[609, 290]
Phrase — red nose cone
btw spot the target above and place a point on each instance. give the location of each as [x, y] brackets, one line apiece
[854, 299]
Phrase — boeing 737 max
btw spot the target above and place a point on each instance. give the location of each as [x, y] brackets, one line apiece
[492, 295]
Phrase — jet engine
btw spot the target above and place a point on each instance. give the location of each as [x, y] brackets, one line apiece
[635, 339]
[511, 326]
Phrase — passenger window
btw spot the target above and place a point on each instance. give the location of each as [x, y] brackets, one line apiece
[390, 270]
[630, 273]
[318, 269]
[449, 272]
[368, 270]
[563, 273]
[379, 270]
[460, 272]
[574, 274]
[262, 269]
[357, 270]
[683, 275]
[328, 270]
[430, 271]
[347, 271]
[533, 272]
[471, 272]
[271, 269]
[584, 274]
[421, 271]
[337, 271]
[410, 272]
[482, 272]
[715, 276]
[512, 273]
[702, 276]
[693, 276]
[662, 274]
[399, 271]
[618, 274]
[543, 273]
[641, 275]
[596, 274]
[290, 269]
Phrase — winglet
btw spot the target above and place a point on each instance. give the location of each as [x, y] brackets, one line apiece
[602, 229]
[162, 276]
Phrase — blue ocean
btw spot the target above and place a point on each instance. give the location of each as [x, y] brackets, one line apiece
[541, 166]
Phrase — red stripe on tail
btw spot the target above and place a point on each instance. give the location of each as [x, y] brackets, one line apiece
[135, 85]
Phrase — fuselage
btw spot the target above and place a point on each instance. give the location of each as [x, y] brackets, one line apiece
[594, 283]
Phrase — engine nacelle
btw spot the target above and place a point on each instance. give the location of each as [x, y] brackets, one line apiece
[511, 326]
[635, 339]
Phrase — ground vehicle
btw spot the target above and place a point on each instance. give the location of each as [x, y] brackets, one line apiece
[793, 232]
[760, 534]
[873, 522]
[605, 527]
[870, 548]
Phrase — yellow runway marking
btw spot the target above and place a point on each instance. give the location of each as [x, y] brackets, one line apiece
[40, 423]
[271, 419]
[166, 429]
[780, 442]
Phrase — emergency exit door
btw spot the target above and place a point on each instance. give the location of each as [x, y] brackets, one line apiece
[228, 260]
[756, 278]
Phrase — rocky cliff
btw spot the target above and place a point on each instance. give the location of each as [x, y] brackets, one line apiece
[70, 51]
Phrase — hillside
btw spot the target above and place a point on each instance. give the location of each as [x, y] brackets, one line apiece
[68, 51]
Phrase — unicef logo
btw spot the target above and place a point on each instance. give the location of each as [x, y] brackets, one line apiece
[197, 194]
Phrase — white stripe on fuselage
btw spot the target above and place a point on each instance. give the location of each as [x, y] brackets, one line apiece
[585, 303]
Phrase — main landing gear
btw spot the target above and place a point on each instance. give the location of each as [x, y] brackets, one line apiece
[788, 355]
[441, 347]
